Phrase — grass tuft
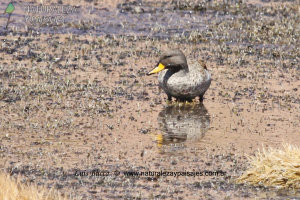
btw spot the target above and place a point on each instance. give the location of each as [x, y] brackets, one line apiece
[278, 168]
[11, 189]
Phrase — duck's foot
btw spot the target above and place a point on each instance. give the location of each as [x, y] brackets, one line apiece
[184, 100]
[181, 102]
[169, 100]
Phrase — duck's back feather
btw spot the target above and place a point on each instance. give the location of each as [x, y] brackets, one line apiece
[185, 85]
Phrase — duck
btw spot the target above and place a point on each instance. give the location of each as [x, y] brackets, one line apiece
[182, 79]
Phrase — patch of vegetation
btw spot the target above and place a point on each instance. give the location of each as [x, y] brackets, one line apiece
[274, 168]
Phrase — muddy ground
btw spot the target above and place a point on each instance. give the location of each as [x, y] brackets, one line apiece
[74, 97]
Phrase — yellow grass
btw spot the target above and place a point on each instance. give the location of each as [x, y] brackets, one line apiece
[274, 168]
[11, 189]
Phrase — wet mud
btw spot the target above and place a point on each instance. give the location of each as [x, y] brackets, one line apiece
[75, 98]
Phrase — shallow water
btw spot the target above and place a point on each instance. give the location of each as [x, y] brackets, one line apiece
[151, 23]
[178, 124]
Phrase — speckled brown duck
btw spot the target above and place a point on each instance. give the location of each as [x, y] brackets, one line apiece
[181, 79]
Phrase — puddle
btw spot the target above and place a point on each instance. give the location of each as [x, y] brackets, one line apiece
[181, 123]
[181, 126]
[151, 23]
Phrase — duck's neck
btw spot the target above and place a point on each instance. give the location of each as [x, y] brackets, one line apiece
[179, 68]
[185, 68]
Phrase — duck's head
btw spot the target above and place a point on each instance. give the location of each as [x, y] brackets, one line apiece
[171, 59]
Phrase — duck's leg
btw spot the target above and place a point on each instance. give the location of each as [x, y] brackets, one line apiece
[201, 97]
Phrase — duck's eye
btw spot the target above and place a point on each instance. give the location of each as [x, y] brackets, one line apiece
[165, 57]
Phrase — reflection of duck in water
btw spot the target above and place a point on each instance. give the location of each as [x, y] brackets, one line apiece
[181, 79]
[188, 122]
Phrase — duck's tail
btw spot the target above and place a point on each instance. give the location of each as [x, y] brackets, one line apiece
[202, 63]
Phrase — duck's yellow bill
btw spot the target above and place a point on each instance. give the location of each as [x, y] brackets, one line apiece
[157, 69]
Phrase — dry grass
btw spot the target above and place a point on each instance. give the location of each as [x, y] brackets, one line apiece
[274, 168]
[11, 189]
